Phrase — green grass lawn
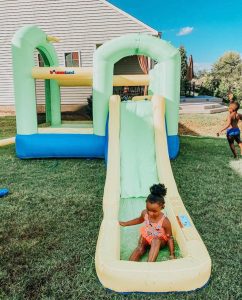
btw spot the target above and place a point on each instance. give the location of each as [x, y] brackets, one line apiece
[7, 127]
[203, 124]
[50, 222]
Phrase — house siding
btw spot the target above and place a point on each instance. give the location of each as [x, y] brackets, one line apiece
[79, 24]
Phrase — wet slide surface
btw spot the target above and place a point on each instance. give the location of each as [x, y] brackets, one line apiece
[138, 171]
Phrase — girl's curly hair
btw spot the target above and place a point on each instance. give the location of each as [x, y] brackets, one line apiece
[157, 193]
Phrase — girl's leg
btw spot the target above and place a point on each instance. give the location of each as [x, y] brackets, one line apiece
[140, 250]
[156, 244]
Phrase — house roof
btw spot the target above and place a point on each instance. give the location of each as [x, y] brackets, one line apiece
[152, 30]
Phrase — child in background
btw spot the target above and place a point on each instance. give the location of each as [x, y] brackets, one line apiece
[125, 95]
[233, 131]
[156, 231]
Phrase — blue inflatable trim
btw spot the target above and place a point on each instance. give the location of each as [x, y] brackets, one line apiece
[60, 145]
[3, 192]
[106, 142]
[173, 145]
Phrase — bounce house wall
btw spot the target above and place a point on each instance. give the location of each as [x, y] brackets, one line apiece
[165, 81]
[60, 145]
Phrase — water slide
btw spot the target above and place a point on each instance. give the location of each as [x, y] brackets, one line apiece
[138, 158]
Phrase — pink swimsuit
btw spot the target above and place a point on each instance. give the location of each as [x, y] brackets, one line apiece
[153, 230]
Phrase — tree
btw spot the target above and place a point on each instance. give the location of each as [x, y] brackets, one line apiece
[184, 81]
[225, 76]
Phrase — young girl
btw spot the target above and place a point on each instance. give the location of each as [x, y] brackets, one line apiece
[156, 230]
[233, 131]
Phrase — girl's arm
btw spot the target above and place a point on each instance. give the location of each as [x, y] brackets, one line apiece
[170, 243]
[136, 221]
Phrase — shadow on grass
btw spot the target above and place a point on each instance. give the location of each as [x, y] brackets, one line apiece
[183, 130]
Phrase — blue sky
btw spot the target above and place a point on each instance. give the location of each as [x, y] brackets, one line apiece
[207, 28]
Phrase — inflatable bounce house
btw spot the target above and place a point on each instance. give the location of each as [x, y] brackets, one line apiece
[136, 137]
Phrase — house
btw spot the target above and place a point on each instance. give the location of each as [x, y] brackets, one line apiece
[81, 25]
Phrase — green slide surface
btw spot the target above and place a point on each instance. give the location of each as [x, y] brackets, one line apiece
[137, 171]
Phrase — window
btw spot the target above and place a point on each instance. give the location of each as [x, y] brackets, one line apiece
[72, 59]
[40, 61]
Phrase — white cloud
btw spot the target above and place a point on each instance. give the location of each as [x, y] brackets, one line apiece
[185, 30]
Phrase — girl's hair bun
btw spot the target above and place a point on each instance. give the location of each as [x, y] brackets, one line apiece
[158, 190]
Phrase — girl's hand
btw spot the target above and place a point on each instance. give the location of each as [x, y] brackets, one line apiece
[122, 223]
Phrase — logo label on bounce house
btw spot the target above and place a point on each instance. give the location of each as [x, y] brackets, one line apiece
[61, 72]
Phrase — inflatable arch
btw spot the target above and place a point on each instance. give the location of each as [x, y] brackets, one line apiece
[24, 42]
[164, 79]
